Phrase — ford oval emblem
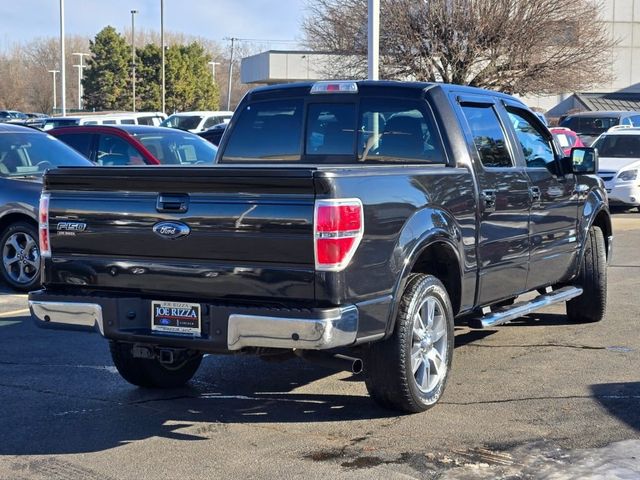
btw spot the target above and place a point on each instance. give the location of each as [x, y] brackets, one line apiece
[171, 230]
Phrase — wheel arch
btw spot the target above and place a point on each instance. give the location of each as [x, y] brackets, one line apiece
[437, 255]
[12, 217]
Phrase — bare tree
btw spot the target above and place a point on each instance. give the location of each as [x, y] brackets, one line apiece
[515, 46]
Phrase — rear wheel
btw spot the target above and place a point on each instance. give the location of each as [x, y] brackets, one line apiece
[409, 371]
[592, 304]
[150, 373]
[20, 266]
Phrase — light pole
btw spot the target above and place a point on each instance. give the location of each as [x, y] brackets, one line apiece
[80, 77]
[230, 73]
[162, 48]
[133, 56]
[54, 72]
[213, 69]
[62, 61]
[373, 39]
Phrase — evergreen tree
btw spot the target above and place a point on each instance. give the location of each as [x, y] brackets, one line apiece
[149, 78]
[107, 79]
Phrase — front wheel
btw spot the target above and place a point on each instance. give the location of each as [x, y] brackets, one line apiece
[409, 370]
[150, 373]
[592, 304]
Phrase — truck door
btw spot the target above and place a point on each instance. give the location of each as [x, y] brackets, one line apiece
[554, 204]
[503, 184]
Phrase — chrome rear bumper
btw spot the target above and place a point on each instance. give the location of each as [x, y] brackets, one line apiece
[337, 328]
[317, 329]
[88, 315]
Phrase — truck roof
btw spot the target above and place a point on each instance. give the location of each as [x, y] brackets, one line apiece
[370, 86]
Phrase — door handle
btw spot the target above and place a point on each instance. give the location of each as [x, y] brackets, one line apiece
[535, 194]
[489, 199]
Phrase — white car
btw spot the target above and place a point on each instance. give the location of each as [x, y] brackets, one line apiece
[196, 121]
[619, 167]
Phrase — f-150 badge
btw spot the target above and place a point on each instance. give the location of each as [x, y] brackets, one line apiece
[70, 228]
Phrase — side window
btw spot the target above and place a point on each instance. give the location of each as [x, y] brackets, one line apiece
[625, 121]
[488, 135]
[210, 122]
[80, 142]
[330, 129]
[397, 130]
[127, 121]
[266, 131]
[635, 120]
[114, 151]
[536, 147]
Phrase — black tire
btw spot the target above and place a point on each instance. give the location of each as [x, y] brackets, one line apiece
[591, 306]
[389, 375]
[149, 373]
[24, 274]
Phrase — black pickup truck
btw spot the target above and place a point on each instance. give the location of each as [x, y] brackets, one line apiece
[348, 223]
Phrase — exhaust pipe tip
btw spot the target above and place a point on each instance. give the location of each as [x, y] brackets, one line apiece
[335, 361]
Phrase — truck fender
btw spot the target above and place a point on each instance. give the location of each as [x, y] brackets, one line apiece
[426, 227]
[594, 212]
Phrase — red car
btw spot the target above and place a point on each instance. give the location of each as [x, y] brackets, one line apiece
[120, 145]
[566, 138]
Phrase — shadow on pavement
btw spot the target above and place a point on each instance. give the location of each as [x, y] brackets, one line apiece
[621, 400]
[72, 401]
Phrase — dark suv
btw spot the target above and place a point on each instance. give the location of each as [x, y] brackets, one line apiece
[589, 125]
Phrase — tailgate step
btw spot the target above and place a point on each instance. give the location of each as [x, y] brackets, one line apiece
[506, 314]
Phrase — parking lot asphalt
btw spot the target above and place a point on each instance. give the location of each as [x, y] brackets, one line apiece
[538, 398]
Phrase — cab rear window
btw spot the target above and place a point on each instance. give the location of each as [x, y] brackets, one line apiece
[373, 130]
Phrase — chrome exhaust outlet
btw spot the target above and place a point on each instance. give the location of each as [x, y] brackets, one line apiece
[335, 361]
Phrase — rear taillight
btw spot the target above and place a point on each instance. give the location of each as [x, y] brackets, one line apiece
[43, 226]
[338, 228]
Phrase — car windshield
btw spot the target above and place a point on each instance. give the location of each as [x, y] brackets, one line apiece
[183, 122]
[621, 146]
[590, 125]
[178, 148]
[30, 154]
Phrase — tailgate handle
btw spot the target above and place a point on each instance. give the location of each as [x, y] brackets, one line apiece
[172, 203]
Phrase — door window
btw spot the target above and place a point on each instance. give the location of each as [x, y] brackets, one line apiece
[79, 141]
[488, 135]
[536, 147]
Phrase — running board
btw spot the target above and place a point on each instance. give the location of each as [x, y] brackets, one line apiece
[506, 314]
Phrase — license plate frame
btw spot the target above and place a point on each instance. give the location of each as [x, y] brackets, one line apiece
[176, 318]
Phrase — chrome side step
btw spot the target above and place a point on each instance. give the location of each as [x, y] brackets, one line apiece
[506, 314]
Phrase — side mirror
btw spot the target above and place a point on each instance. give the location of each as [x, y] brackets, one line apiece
[584, 160]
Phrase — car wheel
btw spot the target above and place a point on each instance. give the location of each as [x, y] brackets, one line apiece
[592, 304]
[20, 265]
[409, 370]
[150, 373]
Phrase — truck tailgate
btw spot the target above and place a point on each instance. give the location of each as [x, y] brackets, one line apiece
[250, 231]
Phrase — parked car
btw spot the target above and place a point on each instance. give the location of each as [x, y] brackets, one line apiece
[25, 154]
[126, 118]
[13, 116]
[214, 134]
[196, 121]
[359, 218]
[589, 125]
[567, 139]
[137, 145]
[619, 152]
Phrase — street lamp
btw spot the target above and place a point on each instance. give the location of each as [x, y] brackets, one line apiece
[162, 48]
[213, 69]
[133, 55]
[80, 77]
[373, 39]
[62, 61]
[54, 72]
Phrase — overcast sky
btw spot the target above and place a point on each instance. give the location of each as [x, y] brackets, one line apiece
[23, 20]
